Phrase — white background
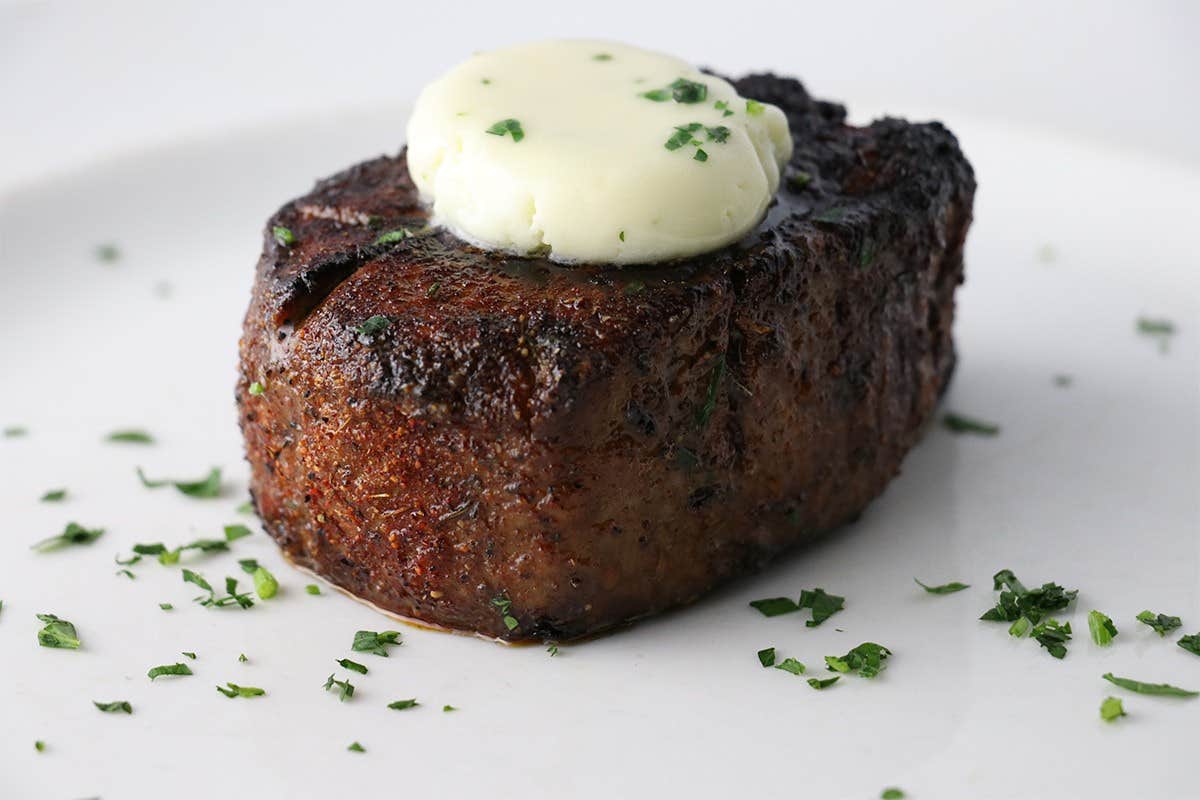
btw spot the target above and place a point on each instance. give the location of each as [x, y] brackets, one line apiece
[79, 79]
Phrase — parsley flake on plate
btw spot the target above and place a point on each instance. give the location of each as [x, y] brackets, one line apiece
[791, 665]
[1102, 628]
[1191, 643]
[945, 588]
[1016, 601]
[115, 707]
[344, 688]
[312, 588]
[355, 747]
[1052, 635]
[775, 606]
[552, 648]
[373, 325]
[391, 237]
[130, 436]
[354, 666]
[1111, 708]
[504, 606]
[265, 584]
[234, 690]
[448, 708]
[1148, 688]
[169, 669]
[400, 705]
[189, 654]
[892, 793]
[58, 633]
[73, 534]
[15, 431]
[40, 746]
[754, 108]
[236, 531]
[823, 683]
[166, 606]
[283, 236]
[206, 487]
[1161, 623]
[374, 642]
[867, 660]
[959, 423]
[823, 605]
[53, 496]
[256, 388]
[766, 656]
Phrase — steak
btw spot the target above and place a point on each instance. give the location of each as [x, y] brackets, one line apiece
[528, 450]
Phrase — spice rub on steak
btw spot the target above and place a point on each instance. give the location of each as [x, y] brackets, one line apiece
[529, 450]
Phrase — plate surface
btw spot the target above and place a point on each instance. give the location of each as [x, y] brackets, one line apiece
[1092, 485]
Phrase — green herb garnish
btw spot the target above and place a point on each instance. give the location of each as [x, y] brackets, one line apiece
[754, 108]
[400, 705]
[355, 747]
[823, 605]
[1111, 708]
[73, 534]
[682, 136]
[774, 606]
[657, 95]
[40, 746]
[1016, 601]
[552, 648]
[892, 793]
[685, 91]
[170, 669]
[945, 588]
[1020, 628]
[246, 508]
[373, 325]
[719, 134]
[1053, 635]
[15, 431]
[283, 236]
[723, 107]
[1102, 628]
[1162, 623]
[766, 656]
[700, 155]
[504, 605]
[354, 666]
[116, 706]
[208, 486]
[240, 691]
[127, 574]
[265, 584]
[242, 658]
[791, 665]
[602, 57]
[130, 436]
[1148, 688]
[54, 496]
[1162, 328]
[374, 642]
[248, 565]
[1191, 643]
[345, 688]
[510, 126]
[823, 683]
[867, 660]
[447, 708]
[236, 531]
[166, 606]
[189, 654]
[255, 389]
[58, 633]
[957, 423]
[232, 595]
[391, 237]
[312, 588]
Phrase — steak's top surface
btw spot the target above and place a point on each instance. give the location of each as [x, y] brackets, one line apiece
[464, 321]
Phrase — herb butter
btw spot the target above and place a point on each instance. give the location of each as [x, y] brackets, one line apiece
[592, 151]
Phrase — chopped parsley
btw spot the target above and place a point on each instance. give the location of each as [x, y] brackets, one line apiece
[700, 155]
[391, 237]
[683, 136]
[1161, 329]
[774, 606]
[374, 642]
[1101, 627]
[283, 236]
[73, 534]
[958, 423]
[1016, 601]
[892, 793]
[723, 107]
[791, 665]
[1191, 643]
[189, 654]
[242, 658]
[246, 507]
[434, 289]
[353, 666]
[400, 705]
[798, 180]
[823, 605]
[754, 108]
[15, 432]
[867, 660]
[130, 436]
[54, 496]
[602, 57]
[1053, 635]
[1020, 628]
[1111, 708]
[58, 633]
[345, 689]
[208, 486]
[766, 656]
[510, 126]
[447, 708]
[115, 707]
[236, 531]
[265, 584]
[127, 574]
[373, 325]
[232, 595]
[504, 605]
[312, 588]
[255, 389]
[170, 669]
[685, 91]
[621, 236]
[248, 565]
[945, 588]
[1148, 688]
[823, 683]
[1162, 623]
[166, 606]
[719, 134]
[40, 746]
[657, 95]
[355, 747]
[234, 690]
[552, 648]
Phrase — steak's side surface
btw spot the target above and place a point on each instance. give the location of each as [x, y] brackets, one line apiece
[595, 444]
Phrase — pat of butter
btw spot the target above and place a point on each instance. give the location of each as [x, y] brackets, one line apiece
[595, 152]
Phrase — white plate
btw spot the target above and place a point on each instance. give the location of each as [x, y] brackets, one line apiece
[1094, 486]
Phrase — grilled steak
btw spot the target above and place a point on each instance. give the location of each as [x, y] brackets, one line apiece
[528, 450]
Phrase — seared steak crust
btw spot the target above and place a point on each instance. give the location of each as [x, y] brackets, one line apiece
[593, 443]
